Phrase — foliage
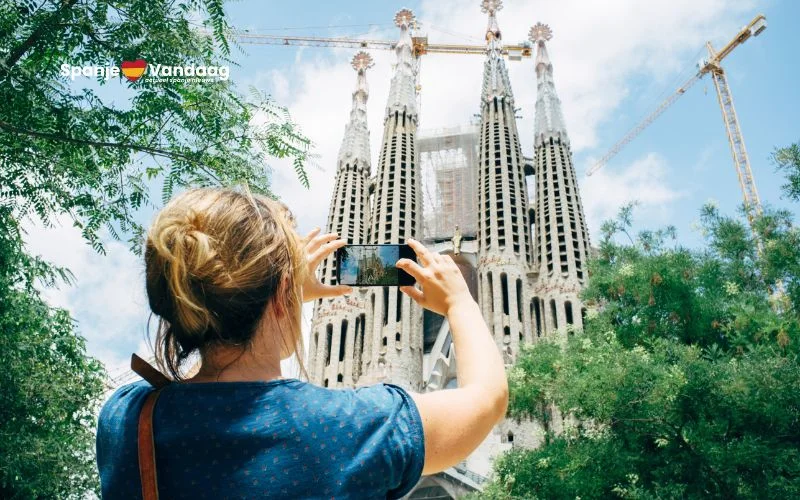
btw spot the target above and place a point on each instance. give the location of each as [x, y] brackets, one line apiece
[93, 151]
[50, 387]
[77, 148]
[686, 380]
[788, 160]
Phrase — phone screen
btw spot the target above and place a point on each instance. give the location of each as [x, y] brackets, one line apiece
[373, 265]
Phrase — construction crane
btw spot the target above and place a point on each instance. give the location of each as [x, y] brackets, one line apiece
[712, 66]
[421, 44]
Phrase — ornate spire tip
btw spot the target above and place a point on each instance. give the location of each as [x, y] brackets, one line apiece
[362, 61]
[540, 33]
[404, 17]
[491, 6]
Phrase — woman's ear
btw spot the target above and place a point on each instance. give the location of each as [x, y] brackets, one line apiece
[279, 301]
[278, 309]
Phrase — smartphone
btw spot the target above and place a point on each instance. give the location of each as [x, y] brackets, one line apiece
[373, 265]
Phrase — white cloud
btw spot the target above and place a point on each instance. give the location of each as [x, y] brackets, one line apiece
[644, 181]
[108, 300]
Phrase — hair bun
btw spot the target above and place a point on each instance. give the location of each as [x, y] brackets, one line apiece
[199, 251]
[194, 220]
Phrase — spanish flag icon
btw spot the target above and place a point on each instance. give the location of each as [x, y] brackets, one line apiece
[133, 70]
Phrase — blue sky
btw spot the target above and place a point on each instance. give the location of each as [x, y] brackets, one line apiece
[613, 63]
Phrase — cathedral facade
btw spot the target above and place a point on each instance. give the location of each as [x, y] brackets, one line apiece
[525, 262]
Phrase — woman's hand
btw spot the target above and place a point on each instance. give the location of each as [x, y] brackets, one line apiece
[318, 246]
[441, 281]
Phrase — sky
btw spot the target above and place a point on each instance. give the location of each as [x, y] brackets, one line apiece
[614, 62]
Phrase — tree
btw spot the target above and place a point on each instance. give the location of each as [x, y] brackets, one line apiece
[686, 380]
[92, 151]
[788, 160]
[65, 148]
[50, 387]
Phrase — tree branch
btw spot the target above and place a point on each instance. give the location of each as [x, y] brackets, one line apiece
[16, 54]
[99, 144]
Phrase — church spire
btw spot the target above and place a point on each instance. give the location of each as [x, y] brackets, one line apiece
[504, 235]
[402, 92]
[395, 347]
[562, 239]
[338, 323]
[355, 145]
[549, 119]
[495, 75]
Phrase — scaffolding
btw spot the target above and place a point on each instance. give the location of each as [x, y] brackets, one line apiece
[449, 166]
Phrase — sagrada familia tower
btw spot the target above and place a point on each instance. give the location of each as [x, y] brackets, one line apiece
[525, 263]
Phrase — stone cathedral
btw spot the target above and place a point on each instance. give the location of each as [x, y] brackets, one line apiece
[524, 260]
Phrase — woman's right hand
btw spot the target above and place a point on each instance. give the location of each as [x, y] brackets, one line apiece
[440, 279]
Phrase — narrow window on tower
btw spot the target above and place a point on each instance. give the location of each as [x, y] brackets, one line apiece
[537, 315]
[491, 290]
[358, 345]
[329, 338]
[519, 299]
[342, 340]
[504, 290]
[363, 318]
[385, 306]
[399, 307]
[568, 311]
[554, 313]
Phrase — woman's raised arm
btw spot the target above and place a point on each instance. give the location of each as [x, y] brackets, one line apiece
[456, 421]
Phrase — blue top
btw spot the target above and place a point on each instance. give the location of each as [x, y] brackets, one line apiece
[281, 438]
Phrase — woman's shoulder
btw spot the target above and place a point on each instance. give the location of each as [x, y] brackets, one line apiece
[125, 396]
[376, 394]
[376, 405]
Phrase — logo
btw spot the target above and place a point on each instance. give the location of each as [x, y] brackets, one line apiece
[73, 72]
[133, 70]
[156, 73]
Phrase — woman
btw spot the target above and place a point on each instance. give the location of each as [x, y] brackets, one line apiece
[227, 275]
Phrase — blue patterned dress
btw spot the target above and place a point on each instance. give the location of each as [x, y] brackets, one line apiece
[278, 439]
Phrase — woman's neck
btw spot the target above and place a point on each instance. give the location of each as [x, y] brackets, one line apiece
[258, 362]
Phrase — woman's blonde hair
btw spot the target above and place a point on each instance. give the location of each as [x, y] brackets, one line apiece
[215, 259]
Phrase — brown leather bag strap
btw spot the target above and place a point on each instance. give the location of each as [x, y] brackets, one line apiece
[146, 441]
[147, 448]
[147, 372]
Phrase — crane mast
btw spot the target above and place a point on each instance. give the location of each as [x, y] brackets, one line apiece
[741, 161]
[711, 66]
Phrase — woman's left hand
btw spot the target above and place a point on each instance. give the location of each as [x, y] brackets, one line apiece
[318, 246]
